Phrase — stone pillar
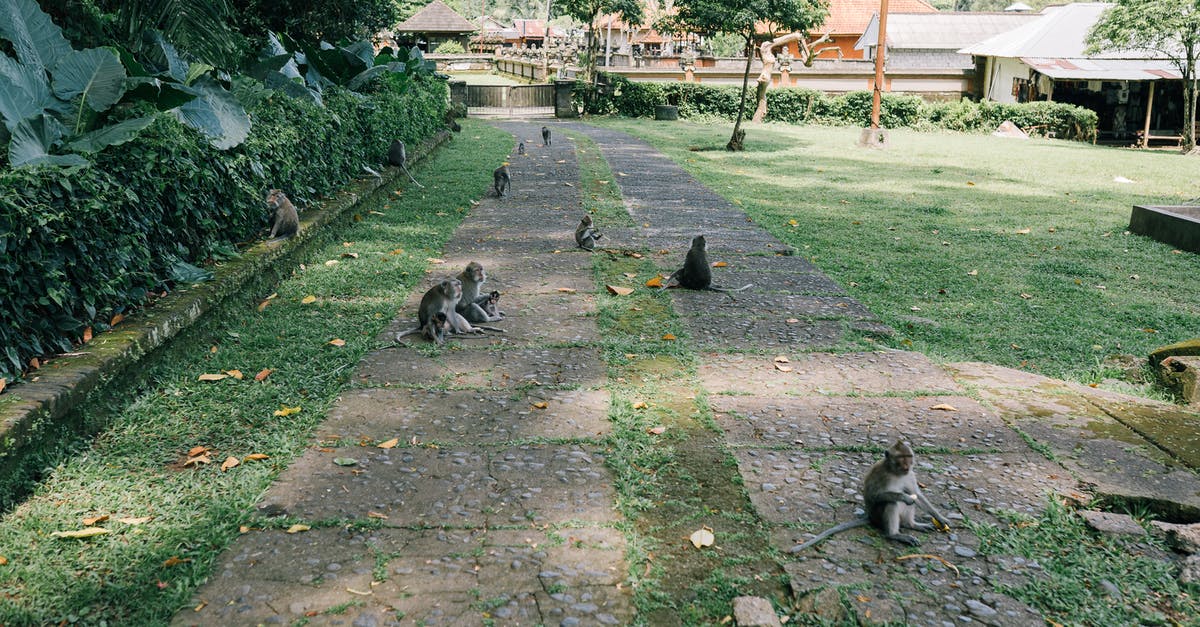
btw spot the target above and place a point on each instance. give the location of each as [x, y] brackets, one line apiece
[785, 71]
[563, 107]
[458, 94]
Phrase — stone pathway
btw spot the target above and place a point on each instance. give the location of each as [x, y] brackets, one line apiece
[486, 514]
[493, 509]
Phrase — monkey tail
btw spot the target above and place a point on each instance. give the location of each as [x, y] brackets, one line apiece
[667, 281]
[727, 289]
[411, 178]
[846, 526]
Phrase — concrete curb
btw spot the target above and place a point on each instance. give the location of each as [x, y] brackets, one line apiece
[34, 411]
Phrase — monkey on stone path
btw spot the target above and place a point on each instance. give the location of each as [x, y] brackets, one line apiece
[891, 496]
[546, 135]
[286, 222]
[471, 305]
[492, 306]
[696, 274]
[586, 235]
[521, 148]
[398, 156]
[501, 180]
[441, 299]
[435, 330]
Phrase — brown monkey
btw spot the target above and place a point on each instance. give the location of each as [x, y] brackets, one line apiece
[435, 330]
[545, 135]
[440, 299]
[501, 180]
[471, 306]
[696, 274]
[521, 148]
[891, 496]
[287, 221]
[398, 156]
[585, 235]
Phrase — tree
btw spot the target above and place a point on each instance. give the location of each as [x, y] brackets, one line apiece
[587, 11]
[1167, 27]
[316, 20]
[743, 18]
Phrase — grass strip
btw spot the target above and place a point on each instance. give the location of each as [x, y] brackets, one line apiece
[167, 519]
[972, 247]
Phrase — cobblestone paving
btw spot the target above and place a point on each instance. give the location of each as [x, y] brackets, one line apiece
[483, 519]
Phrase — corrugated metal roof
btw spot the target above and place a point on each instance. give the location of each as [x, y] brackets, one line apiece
[949, 31]
[436, 17]
[1104, 69]
[1060, 32]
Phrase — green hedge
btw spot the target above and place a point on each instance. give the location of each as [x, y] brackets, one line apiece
[807, 106]
[77, 246]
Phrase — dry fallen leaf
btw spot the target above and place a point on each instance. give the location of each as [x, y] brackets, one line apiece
[308, 299]
[236, 374]
[174, 560]
[87, 335]
[540, 405]
[655, 282]
[782, 359]
[91, 522]
[263, 374]
[3, 383]
[630, 275]
[141, 520]
[3, 561]
[656, 430]
[702, 537]
[197, 460]
[668, 337]
[337, 341]
[285, 411]
[640, 405]
[331, 262]
[297, 528]
[973, 273]
[1026, 295]
[617, 290]
[719, 264]
[212, 377]
[944, 407]
[116, 319]
[230, 462]
[389, 444]
[783, 368]
[349, 255]
[254, 457]
[377, 515]
[792, 320]
[566, 290]
[87, 532]
[793, 223]
[197, 450]
[435, 260]
[1024, 231]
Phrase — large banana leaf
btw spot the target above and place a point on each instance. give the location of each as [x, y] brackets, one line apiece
[24, 91]
[119, 133]
[35, 38]
[95, 74]
[216, 114]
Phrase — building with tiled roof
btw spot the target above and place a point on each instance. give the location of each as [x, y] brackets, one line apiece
[432, 25]
[848, 20]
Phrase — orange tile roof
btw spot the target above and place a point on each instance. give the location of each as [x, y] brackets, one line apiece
[850, 17]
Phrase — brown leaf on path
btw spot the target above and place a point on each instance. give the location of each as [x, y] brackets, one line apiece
[1024, 231]
[263, 374]
[668, 337]
[377, 515]
[236, 374]
[89, 522]
[617, 290]
[212, 377]
[197, 460]
[719, 264]
[655, 282]
[3, 383]
[944, 407]
[435, 260]
[337, 341]
[3, 561]
[308, 299]
[197, 450]
[389, 443]
[973, 273]
[782, 359]
[263, 305]
[702, 537]
[116, 319]
[640, 405]
[141, 520]
[230, 462]
[297, 528]
[656, 430]
[783, 368]
[398, 251]
[540, 405]
[630, 275]
[175, 560]
[792, 320]
[254, 457]
[566, 290]
[87, 335]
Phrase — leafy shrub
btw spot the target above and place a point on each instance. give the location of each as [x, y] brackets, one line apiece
[77, 246]
[807, 106]
[449, 47]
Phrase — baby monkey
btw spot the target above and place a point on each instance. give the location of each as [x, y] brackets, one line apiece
[546, 135]
[521, 148]
[435, 328]
[586, 235]
[492, 306]
[286, 221]
[696, 274]
[891, 496]
[501, 180]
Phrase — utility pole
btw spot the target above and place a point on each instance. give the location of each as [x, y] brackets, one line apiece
[874, 137]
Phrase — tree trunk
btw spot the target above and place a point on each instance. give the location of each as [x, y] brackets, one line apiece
[766, 51]
[1189, 108]
[737, 140]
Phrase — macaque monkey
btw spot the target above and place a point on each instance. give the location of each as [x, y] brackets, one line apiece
[439, 302]
[472, 304]
[501, 180]
[586, 235]
[891, 496]
[451, 122]
[492, 306]
[545, 135]
[286, 221]
[398, 156]
[696, 274]
[435, 330]
[521, 148]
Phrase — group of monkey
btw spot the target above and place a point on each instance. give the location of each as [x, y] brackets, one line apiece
[458, 305]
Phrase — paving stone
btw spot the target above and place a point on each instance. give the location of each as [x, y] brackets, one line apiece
[728, 333]
[527, 273]
[546, 484]
[466, 417]
[754, 612]
[484, 368]
[575, 556]
[830, 421]
[768, 307]
[824, 373]
[593, 605]
[1112, 523]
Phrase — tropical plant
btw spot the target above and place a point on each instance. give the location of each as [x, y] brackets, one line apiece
[316, 20]
[1170, 28]
[587, 11]
[449, 47]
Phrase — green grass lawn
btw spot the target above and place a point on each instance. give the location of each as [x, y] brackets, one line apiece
[972, 247]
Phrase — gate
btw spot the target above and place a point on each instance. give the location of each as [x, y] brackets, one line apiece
[513, 101]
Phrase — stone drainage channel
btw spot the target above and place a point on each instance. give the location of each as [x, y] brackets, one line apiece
[474, 529]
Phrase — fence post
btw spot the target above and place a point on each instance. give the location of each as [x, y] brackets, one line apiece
[563, 107]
